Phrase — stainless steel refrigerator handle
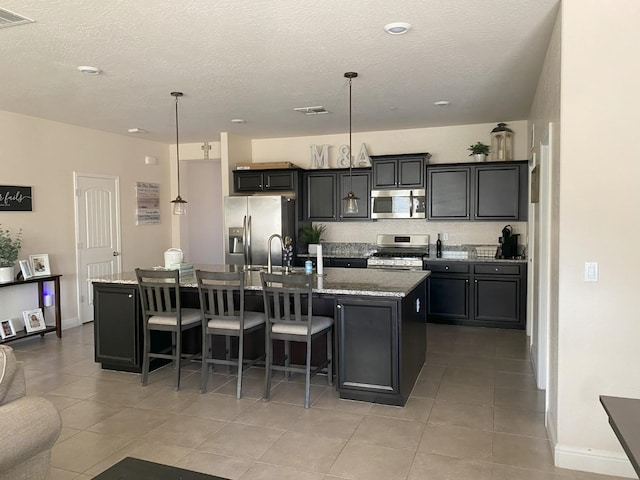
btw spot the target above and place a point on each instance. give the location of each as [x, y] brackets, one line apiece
[249, 240]
[244, 240]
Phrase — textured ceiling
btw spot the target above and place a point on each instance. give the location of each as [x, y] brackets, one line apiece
[257, 60]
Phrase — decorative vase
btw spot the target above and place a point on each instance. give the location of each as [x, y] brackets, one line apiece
[313, 249]
[6, 274]
[479, 157]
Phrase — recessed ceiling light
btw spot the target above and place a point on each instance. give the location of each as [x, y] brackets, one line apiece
[238, 120]
[441, 103]
[89, 70]
[137, 130]
[397, 28]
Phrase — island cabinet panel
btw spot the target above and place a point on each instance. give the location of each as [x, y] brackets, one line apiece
[117, 332]
[368, 332]
[381, 346]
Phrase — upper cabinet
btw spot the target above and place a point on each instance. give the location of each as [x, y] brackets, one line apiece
[399, 171]
[251, 181]
[325, 189]
[488, 191]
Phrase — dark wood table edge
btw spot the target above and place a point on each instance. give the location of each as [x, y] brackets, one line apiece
[133, 466]
[614, 417]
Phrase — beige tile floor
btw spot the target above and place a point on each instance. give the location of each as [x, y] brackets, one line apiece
[475, 413]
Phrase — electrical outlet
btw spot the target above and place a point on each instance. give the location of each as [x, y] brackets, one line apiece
[445, 236]
[591, 271]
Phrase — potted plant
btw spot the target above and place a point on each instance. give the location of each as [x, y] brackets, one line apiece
[312, 234]
[479, 151]
[9, 250]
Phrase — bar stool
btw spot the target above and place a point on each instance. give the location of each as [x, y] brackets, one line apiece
[222, 309]
[284, 297]
[160, 300]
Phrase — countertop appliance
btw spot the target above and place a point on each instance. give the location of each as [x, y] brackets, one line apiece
[508, 243]
[404, 252]
[173, 258]
[398, 203]
[249, 221]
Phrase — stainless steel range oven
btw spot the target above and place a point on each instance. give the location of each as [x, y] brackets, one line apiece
[399, 252]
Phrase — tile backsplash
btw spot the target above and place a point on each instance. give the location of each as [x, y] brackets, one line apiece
[459, 233]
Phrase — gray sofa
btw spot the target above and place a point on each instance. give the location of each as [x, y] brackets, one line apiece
[29, 425]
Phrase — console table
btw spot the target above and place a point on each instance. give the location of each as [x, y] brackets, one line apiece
[624, 417]
[56, 292]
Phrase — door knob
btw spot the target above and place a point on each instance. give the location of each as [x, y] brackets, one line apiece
[115, 254]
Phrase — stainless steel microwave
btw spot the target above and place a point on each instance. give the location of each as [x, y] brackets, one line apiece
[398, 203]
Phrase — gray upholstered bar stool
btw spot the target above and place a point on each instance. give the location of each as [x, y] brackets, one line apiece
[223, 313]
[288, 320]
[160, 300]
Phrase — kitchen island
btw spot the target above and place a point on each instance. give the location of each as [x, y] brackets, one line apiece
[380, 329]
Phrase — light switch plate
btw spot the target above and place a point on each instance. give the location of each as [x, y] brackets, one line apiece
[591, 271]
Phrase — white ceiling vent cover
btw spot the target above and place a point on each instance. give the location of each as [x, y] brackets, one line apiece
[10, 19]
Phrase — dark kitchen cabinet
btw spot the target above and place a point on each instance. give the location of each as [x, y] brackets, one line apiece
[339, 262]
[251, 181]
[449, 291]
[117, 327]
[486, 294]
[324, 191]
[493, 191]
[399, 171]
[381, 345]
[499, 294]
[448, 190]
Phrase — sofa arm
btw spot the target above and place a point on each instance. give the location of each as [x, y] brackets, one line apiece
[28, 426]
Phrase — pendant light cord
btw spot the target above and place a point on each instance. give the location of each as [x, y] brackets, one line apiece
[350, 161]
[177, 146]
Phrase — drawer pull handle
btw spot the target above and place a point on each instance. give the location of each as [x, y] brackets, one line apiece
[496, 269]
[446, 268]
[130, 296]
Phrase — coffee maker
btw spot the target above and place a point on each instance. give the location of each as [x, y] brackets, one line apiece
[508, 243]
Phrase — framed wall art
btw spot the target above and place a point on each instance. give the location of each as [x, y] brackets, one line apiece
[34, 320]
[40, 264]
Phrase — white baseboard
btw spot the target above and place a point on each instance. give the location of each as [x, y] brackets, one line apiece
[70, 322]
[604, 462]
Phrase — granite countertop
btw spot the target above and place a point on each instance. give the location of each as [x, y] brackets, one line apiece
[473, 258]
[335, 281]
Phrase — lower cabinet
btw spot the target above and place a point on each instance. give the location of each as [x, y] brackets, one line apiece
[117, 327]
[477, 294]
[381, 346]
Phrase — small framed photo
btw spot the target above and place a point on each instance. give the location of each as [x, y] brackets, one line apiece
[40, 264]
[34, 320]
[6, 329]
[25, 267]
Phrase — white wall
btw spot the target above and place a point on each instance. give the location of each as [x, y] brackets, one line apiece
[445, 144]
[44, 154]
[598, 328]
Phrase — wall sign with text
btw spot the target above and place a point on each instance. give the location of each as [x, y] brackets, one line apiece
[15, 199]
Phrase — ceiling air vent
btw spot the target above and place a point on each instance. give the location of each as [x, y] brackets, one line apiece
[10, 19]
[318, 110]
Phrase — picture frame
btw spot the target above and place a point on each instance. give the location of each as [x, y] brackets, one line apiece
[33, 320]
[6, 329]
[40, 264]
[25, 268]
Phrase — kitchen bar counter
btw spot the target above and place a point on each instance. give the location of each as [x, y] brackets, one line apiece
[380, 325]
[335, 281]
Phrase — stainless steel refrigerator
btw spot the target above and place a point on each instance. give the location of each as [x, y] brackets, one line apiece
[249, 221]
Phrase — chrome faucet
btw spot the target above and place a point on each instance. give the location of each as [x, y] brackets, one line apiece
[269, 267]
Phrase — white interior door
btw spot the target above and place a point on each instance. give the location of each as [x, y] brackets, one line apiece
[97, 234]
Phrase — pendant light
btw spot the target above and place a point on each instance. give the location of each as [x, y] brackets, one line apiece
[350, 201]
[179, 205]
